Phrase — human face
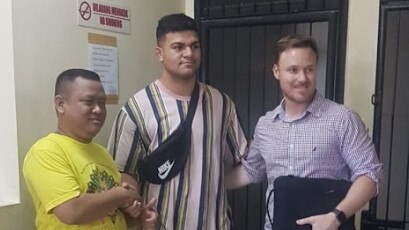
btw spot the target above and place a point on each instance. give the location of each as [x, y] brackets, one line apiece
[81, 109]
[179, 53]
[296, 72]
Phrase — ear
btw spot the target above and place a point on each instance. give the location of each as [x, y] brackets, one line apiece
[59, 103]
[276, 72]
[159, 53]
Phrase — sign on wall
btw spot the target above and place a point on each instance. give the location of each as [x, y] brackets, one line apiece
[104, 16]
[103, 59]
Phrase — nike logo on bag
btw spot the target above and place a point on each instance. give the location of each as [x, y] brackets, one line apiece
[164, 169]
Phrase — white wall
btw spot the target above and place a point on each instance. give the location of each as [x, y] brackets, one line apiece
[360, 66]
[48, 40]
[9, 177]
[189, 8]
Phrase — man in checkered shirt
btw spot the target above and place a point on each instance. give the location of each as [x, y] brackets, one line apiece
[310, 136]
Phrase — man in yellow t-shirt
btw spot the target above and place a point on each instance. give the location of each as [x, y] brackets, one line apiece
[73, 181]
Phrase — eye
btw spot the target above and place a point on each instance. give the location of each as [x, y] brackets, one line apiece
[293, 70]
[88, 102]
[310, 70]
[178, 47]
[101, 103]
[196, 46]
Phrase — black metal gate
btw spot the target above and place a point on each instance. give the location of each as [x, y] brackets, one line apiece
[391, 121]
[238, 38]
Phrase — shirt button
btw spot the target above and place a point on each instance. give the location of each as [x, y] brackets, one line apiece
[291, 146]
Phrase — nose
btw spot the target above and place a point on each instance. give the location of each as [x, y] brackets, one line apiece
[98, 108]
[188, 51]
[302, 76]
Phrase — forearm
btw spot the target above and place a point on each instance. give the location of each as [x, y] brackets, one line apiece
[361, 191]
[89, 207]
[237, 177]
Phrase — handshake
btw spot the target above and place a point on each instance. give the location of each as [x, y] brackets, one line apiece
[136, 212]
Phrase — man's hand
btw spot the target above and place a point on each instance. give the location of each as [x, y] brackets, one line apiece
[149, 216]
[134, 207]
[321, 222]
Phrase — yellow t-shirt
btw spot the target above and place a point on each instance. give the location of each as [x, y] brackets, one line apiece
[58, 168]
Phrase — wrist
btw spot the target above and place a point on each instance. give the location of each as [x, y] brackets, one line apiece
[122, 197]
[340, 215]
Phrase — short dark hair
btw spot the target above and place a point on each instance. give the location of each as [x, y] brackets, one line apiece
[174, 23]
[70, 75]
[294, 41]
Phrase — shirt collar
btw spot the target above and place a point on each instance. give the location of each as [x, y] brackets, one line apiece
[316, 105]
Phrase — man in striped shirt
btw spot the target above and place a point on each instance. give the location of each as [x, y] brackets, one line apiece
[310, 136]
[196, 197]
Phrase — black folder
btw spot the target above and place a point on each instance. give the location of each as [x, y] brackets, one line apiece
[296, 198]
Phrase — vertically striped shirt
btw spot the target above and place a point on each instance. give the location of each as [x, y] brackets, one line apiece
[196, 198]
[328, 141]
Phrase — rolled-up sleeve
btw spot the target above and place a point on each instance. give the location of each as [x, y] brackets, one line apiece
[359, 151]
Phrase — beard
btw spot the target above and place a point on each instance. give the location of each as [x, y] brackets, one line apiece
[299, 97]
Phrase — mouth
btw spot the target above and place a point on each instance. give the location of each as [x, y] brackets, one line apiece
[96, 121]
[304, 87]
[188, 63]
[302, 90]
[301, 86]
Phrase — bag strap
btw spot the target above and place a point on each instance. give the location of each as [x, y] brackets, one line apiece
[192, 105]
[267, 207]
[132, 110]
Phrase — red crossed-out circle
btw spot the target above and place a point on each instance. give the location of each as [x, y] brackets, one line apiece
[85, 11]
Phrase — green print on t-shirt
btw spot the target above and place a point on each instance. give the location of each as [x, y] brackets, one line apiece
[101, 182]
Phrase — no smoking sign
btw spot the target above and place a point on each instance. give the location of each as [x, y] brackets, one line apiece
[103, 15]
[85, 11]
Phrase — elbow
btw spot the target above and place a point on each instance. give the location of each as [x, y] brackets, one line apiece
[69, 218]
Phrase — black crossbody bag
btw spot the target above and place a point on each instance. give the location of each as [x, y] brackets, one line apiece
[296, 198]
[170, 157]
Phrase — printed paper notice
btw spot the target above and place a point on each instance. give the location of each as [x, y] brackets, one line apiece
[104, 60]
